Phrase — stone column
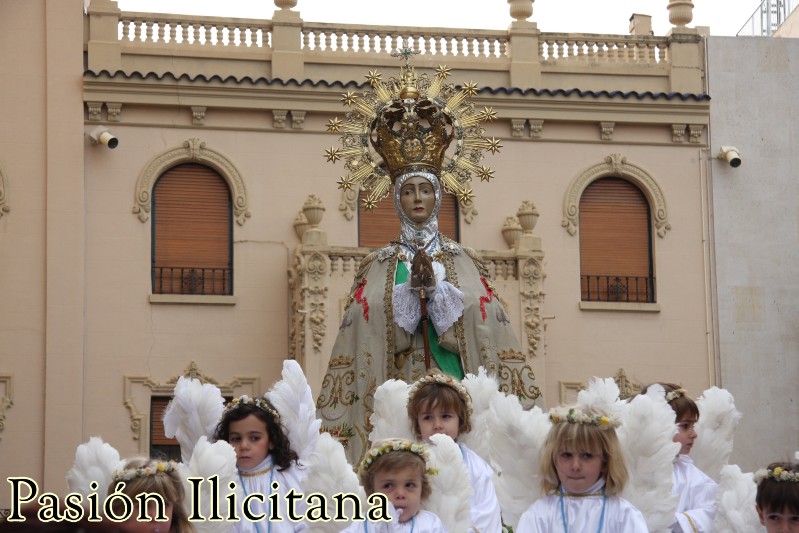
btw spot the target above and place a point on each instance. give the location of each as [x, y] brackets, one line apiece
[104, 51]
[287, 57]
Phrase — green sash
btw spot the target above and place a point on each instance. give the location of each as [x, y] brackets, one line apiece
[448, 362]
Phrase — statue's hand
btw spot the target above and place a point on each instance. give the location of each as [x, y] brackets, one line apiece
[422, 271]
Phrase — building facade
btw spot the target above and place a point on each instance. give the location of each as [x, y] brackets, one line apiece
[117, 281]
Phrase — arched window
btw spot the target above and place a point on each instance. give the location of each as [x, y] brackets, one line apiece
[192, 232]
[381, 225]
[615, 243]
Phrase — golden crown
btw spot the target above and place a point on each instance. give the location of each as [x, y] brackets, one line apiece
[411, 121]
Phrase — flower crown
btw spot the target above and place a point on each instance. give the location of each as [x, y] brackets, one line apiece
[575, 415]
[443, 379]
[152, 469]
[778, 474]
[261, 403]
[676, 393]
[397, 445]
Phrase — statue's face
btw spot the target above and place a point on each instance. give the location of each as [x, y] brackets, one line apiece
[417, 198]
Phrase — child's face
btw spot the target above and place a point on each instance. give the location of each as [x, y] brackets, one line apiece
[685, 434]
[403, 488]
[578, 470]
[250, 439]
[437, 420]
[784, 522]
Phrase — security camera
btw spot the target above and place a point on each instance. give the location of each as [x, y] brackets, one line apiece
[731, 155]
[101, 135]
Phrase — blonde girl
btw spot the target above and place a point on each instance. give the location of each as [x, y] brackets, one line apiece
[583, 474]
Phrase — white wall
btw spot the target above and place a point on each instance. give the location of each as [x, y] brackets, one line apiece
[753, 85]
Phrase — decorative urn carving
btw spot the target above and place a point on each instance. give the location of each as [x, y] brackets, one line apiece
[681, 12]
[313, 210]
[528, 216]
[511, 231]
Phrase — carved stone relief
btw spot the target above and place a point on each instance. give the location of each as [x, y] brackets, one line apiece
[192, 150]
[4, 207]
[279, 118]
[138, 390]
[6, 397]
[198, 115]
[94, 109]
[297, 324]
[627, 387]
[469, 211]
[349, 203]
[536, 128]
[532, 293]
[308, 290]
[606, 130]
[517, 126]
[114, 111]
[695, 132]
[615, 165]
[298, 119]
[678, 133]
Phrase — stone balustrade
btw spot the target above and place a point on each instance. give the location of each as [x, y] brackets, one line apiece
[442, 43]
[287, 47]
[606, 49]
[148, 29]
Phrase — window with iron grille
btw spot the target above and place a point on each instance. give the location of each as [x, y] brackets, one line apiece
[615, 243]
[378, 227]
[192, 232]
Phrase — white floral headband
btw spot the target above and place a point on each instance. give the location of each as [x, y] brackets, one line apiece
[152, 469]
[442, 379]
[778, 474]
[676, 393]
[396, 445]
[575, 415]
[261, 403]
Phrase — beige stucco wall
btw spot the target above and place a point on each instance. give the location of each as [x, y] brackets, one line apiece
[76, 319]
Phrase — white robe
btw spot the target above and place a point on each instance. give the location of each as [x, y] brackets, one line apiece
[423, 522]
[697, 508]
[288, 479]
[582, 514]
[484, 505]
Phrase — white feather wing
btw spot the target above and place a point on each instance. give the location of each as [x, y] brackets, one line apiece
[735, 502]
[94, 461]
[451, 487]
[602, 395]
[209, 460]
[482, 388]
[516, 437]
[390, 416]
[646, 437]
[715, 431]
[194, 412]
[292, 398]
[329, 473]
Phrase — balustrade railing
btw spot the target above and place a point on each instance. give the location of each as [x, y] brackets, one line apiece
[637, 289]
[192, 280]
[151, 29]
[438, 42]
[557, 47]
[500, 265]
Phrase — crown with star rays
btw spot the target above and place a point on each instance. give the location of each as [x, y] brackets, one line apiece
[410, 122]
